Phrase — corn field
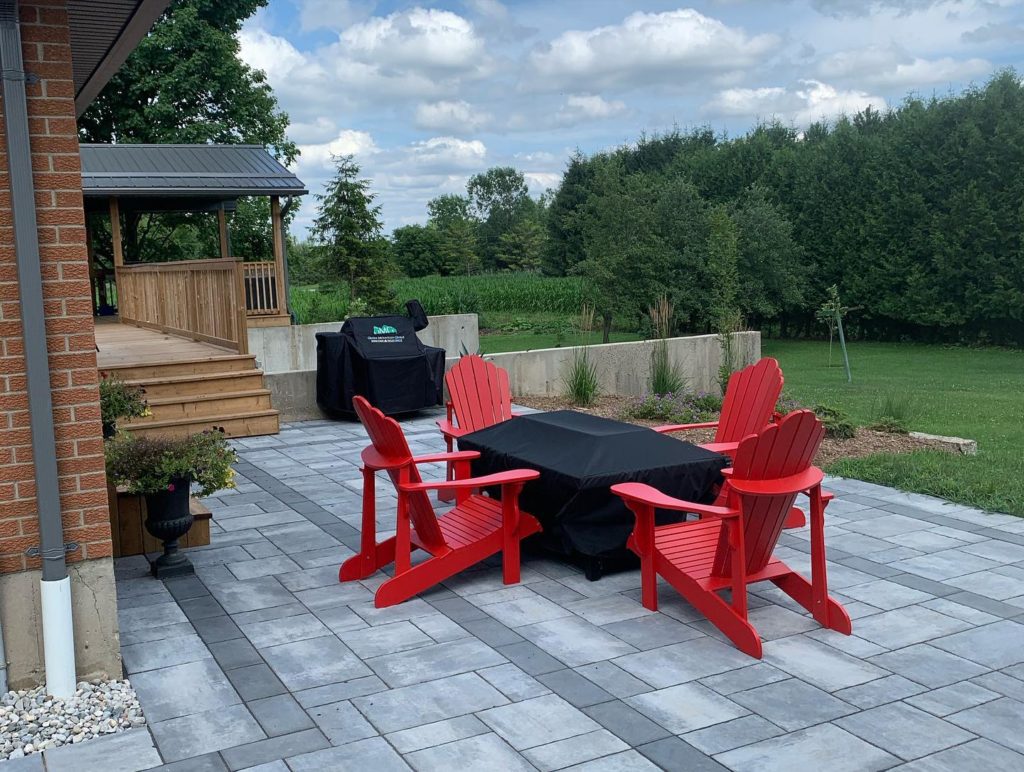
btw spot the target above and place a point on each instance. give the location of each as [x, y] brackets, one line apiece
[504, 293]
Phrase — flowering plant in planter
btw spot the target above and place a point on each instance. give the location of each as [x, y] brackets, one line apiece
[147, 465]
[164, 469]
[120, 400]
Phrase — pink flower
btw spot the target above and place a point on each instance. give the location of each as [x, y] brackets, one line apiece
[170, 486]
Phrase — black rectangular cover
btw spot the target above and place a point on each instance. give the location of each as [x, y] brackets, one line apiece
[379, 358]
[580, 456]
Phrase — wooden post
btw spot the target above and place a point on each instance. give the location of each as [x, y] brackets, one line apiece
[277, 232]
[241, 316]
[115, 232]
[222, 225]
[115, 238]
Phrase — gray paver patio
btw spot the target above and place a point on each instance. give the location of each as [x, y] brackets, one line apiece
[263, 660]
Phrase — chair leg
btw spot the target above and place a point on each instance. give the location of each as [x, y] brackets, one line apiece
[717, 611]
[446, 495]
[828, 612]
[371, 555]
[510, 534]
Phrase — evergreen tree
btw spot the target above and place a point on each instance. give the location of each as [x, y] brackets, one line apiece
[347, 232]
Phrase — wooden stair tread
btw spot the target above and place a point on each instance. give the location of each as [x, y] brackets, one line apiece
[203, 419]
[182, 398]
[176, 362]
[172, 379]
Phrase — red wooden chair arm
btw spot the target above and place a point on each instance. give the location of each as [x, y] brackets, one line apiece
[725, 448]
[797, 483]
[456, 455]
[450, 430]
[645, 494]
[512, 476]
[683, 427]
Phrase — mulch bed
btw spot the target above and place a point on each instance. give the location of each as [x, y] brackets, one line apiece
[866, 442]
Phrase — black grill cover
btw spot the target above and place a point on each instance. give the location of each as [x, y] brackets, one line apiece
[380, 358]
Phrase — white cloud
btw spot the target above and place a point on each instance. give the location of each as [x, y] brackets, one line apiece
[586, 107]
[995, 33]
[316, 158]
[805, 103]
[648, 47]
[444, 154]
[455, 116]
[420, 38]
[891, 67]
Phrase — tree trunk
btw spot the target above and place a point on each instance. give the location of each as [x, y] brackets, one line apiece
[606, 318]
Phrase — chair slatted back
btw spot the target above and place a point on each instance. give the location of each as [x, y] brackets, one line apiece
[781, 450]
[479, 392]
[389, 441]
[750, 399]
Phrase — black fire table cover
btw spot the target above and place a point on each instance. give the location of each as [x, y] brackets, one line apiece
[580, 456]
[379, 358]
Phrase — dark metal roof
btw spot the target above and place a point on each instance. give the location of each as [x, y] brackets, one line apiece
[199, 171]
[103, 33]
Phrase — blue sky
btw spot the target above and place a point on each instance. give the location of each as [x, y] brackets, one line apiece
[427, 94]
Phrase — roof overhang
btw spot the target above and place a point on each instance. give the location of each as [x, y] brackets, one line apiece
[202, 174]
[103, 34]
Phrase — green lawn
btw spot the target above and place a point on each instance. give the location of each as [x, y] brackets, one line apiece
[496, 343]
[974, 393]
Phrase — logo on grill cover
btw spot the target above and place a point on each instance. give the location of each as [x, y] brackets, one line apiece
[384, 329]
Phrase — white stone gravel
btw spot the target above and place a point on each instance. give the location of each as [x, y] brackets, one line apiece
[32, 721]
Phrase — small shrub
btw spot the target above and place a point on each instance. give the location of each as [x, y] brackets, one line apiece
[838, 425]
[119, 400]
[678, 408]
[665, 375]
[893, 414]
[581, 384]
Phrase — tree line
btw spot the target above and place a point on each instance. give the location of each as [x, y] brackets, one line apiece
[915, 214]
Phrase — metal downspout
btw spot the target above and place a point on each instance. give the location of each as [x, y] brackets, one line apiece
[58, 636]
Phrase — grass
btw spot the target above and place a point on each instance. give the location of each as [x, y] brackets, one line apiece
[496, 343]
[973, 393]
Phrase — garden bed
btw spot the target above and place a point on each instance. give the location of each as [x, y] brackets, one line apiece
[866, 442]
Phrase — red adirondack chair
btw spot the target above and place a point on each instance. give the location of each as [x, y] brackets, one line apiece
[476, 528]
[748, 407]
[731, 546]
[479, 396]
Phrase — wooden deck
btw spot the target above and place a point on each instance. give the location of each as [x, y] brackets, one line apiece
[190, 386]
[120, 345]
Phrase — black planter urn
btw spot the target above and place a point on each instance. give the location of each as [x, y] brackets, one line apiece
[168, 519]
[109, 429]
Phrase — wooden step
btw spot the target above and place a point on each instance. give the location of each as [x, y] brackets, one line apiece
[202, 365]
[247, 424]
[199, 405]
[201, 384]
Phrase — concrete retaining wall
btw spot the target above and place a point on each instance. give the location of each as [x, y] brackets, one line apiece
[94, 608]
[623, 368]
[285, 349]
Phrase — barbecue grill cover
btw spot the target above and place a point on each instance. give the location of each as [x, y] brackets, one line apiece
[380, 358]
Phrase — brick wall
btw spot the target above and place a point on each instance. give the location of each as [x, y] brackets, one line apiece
[69, 321]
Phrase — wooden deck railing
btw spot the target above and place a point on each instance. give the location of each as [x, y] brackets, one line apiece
[199, 299]
[261, 296]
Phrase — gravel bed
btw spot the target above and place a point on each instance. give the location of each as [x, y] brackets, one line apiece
[32, 721]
